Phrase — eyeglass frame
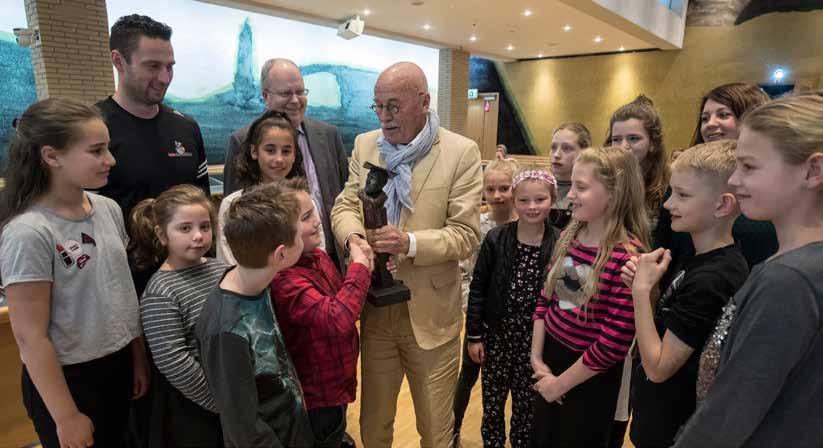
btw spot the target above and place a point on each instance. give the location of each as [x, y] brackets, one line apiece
[388, 107]
[286, 94]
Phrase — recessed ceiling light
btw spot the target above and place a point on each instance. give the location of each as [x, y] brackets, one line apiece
[473, 38]
[510, 47]
[427, 27]
[366, 11]
[567, 28]
[598, 39]
[540, 55]
[527, 12]
[622, 48]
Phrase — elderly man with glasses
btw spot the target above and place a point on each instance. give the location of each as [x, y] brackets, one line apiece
[324, 158]
[432, 206]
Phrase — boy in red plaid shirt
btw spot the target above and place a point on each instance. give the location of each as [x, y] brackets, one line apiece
[317, 309]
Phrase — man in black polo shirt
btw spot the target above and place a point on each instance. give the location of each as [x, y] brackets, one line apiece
[156, 147]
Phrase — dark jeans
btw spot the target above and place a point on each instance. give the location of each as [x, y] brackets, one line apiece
[177, 422]
[101, 389]
[328, 425]
[469, 372]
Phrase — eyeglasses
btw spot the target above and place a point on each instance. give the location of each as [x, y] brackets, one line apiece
[378, 108]
[288, 93]
[392, 108]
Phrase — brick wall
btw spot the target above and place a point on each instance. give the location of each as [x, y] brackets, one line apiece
[72, 58]
[452, 93]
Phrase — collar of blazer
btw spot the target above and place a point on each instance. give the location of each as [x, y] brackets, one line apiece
[420, 174]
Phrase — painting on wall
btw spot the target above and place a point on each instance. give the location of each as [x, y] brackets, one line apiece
[217, 71]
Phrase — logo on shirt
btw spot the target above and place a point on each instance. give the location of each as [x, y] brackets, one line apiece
[87, 239]
[71, 252]
[179, 150]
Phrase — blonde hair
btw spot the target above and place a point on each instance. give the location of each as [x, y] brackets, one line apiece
[543, 173]
[620, 174]
[792, 123]
[714, 159]
[507, 167]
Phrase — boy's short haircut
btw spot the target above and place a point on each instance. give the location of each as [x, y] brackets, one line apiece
[297, 183]
[259, 221]
[714, 159]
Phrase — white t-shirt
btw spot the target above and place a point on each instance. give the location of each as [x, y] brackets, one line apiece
[94, 307]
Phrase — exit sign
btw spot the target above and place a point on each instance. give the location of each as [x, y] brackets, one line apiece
[472, 94]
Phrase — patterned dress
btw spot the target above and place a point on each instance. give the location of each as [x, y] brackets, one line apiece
[507, 367]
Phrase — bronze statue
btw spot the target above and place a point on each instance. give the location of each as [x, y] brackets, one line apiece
[384, 290]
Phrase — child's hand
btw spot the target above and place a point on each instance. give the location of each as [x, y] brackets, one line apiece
[392, 265]
[75, 430]
[358, 255]
[550, 389]
[476, 352]
[650, 267]
[540, 369]
[628, 270]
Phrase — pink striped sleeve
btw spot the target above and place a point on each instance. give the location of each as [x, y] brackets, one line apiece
[617, 329]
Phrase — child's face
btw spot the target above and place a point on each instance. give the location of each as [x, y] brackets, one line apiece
[717, 122]
[87, 161]
[308, 223]
[765, 185]
[564, 150]
[588, 197]
[188, 235]
[693, 201]
[533, 201]
[497, 188]
[275, 154]
[631, 135]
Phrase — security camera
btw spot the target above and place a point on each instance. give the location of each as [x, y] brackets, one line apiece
[351, 28]
[26, 37]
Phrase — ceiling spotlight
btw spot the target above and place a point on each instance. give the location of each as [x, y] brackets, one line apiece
[427, 27]
[510, 47]
[598, 39]
[622, 48]
[527, 12]
[473, 38]
[567, 28]
[366, 12]
[778, 75]
[539, 55]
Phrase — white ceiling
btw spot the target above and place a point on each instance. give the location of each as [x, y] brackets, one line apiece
[496, 24]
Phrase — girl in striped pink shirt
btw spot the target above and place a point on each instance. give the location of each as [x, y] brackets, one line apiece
[584, 323]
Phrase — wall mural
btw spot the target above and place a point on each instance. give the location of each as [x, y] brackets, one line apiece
[735, 12]
[217, 75]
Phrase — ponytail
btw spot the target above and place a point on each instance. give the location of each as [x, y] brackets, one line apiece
[145, 247]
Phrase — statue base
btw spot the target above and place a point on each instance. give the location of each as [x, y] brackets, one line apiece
[389, 295]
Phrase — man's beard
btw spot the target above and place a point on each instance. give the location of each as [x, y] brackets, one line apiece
[143, 96]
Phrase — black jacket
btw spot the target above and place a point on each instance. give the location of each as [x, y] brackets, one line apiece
[492, 274]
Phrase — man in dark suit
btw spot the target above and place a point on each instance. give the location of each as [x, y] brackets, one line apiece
[324, 159]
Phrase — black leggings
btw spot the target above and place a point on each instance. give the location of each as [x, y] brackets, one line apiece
[102, 390]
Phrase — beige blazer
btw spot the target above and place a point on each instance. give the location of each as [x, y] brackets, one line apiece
[446, 189]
